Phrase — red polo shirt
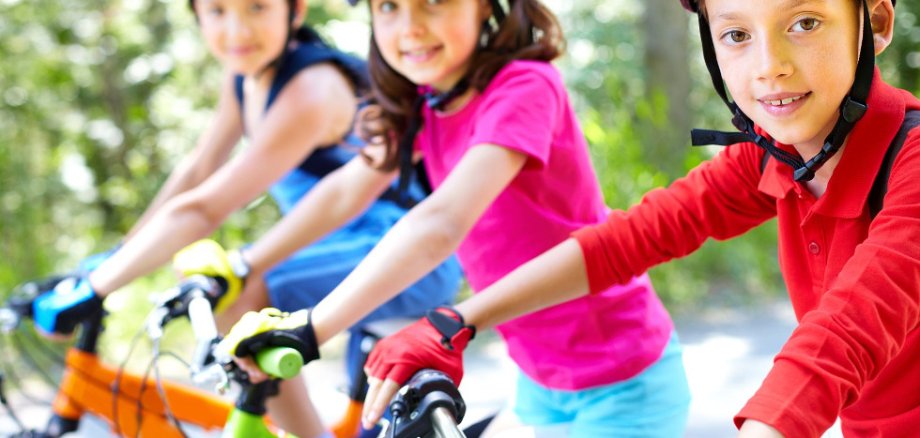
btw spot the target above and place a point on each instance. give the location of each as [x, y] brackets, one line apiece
[854, 283]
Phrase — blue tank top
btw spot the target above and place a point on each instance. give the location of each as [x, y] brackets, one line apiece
[311, 50]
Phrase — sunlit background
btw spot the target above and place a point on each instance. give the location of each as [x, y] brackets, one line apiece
[100, 99]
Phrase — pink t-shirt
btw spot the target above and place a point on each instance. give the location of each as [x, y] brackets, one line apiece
[591, 341]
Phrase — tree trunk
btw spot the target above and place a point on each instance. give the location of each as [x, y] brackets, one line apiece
[666, 59]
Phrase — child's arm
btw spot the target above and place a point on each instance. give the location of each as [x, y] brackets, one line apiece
[422, 239]
[212, 150]
[419, 242]
[719, 198]
[336, 199]
[856, 335]
[319, 102]
[554, 277]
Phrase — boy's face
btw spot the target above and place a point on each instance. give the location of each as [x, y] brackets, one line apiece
[787, 63]
[244, 35]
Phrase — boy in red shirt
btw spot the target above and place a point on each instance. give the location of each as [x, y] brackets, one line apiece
[853, 274]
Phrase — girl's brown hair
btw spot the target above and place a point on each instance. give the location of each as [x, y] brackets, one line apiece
[529, 31]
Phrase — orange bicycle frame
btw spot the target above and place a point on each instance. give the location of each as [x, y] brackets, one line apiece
[87, 386]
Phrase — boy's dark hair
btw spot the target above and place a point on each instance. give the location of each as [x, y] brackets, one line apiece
[529, 31]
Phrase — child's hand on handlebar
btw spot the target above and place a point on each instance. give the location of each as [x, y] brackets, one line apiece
[58, 310]
[270, 327]
[206, 257]
[436, 341]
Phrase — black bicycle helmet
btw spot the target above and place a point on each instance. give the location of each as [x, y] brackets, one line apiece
[852, 108]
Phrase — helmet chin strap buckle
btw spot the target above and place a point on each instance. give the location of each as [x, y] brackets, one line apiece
[853, 110]
[804, 174]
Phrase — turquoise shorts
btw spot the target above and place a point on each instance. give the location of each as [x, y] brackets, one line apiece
[653, 404]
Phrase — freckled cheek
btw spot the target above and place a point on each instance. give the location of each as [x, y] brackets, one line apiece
[828, 72]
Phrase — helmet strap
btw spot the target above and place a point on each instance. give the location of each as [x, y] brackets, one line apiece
[852, 108]
[436, 101]
[497, 11]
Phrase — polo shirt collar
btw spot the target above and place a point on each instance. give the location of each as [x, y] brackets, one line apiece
[848, 189]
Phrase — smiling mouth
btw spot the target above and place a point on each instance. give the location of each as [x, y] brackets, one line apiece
[239, 53]
[783, 102]
[420, 54]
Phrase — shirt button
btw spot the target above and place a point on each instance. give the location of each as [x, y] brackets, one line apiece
[814, 248]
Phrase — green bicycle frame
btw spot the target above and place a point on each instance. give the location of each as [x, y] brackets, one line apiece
[242, 424]
[278, 362]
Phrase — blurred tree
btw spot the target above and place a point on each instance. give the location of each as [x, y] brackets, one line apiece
[667, 84]
[900, 63]
[99, 99]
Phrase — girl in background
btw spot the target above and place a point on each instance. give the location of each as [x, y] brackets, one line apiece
[295, 98]
[469, 89]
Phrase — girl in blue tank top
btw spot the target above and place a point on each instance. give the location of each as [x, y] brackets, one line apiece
[295, 99]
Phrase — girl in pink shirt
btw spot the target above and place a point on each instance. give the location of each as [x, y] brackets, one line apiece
[512, 178]
[468, 88]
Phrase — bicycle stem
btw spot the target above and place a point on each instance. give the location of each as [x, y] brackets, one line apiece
[445, 426]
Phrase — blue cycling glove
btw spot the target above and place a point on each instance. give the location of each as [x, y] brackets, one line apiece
[70, 302]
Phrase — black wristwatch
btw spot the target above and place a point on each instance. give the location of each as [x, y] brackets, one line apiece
[447, 326]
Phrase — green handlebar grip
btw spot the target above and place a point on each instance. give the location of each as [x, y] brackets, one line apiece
[280, 362]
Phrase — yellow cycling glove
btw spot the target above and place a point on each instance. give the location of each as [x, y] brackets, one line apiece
[207, 257]
[271, 327]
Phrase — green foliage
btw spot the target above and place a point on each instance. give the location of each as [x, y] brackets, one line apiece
[100, 99]
[622, 122]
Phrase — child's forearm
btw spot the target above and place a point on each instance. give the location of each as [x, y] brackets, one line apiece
[415, 246]
[337, 199]
[556, 276]
[170, 230]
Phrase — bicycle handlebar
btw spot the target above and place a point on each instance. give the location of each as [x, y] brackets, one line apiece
[444, 424]
[18, 305]
[278, 362]
[193, 297]
[429, 403]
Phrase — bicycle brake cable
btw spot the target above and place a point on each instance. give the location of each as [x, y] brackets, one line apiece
[159, 385]
[9, 409]
[24, 353]
[116, 385]
[397, 410]
[139, 417]
[55, 357]
[8, 369]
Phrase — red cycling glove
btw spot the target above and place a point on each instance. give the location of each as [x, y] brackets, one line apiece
[435, 341]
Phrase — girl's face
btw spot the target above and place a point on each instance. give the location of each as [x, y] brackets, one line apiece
[787, 63]
[430, 42]
[244, 35]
